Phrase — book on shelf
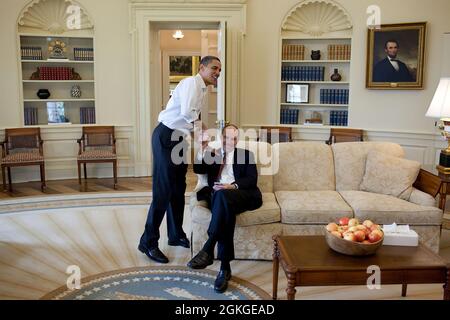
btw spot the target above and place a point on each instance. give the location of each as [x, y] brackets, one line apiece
[30, 116]
[339, 118]
[83, 54]
[58, 59]
[334, 96]
[295, 73]
[87, 115]
[339, 52]
[289, 116]
[31, 53]
[293, 52]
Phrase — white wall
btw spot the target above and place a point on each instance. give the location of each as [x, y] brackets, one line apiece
[369, 109]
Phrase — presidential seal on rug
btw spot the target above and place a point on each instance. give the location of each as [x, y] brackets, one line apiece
[157, 283]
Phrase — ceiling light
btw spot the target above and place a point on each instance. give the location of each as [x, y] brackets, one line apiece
[178, 35]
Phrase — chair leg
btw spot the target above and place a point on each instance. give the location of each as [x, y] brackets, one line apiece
[79, 172]
[4, 178]
[85, 172]
[115, 173]
[9, 179]
[43, 185]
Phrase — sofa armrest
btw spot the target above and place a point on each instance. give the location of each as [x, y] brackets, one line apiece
[201, 182]
[422, 198]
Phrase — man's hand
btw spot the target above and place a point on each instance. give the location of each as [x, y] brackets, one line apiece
[218, 187]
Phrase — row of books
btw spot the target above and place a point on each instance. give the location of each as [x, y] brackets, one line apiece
[289, 116]
[302, 73]
[293, 52]
[30, 116]
[339, 51]
[83, 54]
[55, 73]
[334, 96]
[339, 118]
[87, 115]
[31, 53]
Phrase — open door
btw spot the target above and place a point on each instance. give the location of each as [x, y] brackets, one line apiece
[221, 90]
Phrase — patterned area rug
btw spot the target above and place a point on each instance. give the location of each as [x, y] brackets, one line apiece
[158, 283]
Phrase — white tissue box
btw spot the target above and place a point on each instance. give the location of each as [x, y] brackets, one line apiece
[408, 238]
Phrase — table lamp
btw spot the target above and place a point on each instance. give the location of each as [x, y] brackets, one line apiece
[440, 108]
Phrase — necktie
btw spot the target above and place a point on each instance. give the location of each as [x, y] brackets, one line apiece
[222, 165]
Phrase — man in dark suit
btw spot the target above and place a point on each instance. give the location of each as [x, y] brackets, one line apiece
[232, 189]
[391, 69]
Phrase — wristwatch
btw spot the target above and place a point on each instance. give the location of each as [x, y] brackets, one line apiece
[235, 185]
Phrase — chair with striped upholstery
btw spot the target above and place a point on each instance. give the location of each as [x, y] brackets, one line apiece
[22, 147]
[97, 144]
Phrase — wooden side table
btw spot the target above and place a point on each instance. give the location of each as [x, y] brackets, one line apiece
[433, 182]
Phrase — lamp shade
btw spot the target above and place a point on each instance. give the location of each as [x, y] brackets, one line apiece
[440, 105]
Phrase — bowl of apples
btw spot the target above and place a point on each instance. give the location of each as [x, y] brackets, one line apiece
[350, 237]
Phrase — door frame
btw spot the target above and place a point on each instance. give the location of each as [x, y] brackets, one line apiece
[146, 96]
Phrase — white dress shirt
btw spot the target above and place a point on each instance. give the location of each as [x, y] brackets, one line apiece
[394, 63]
[227, 176]
[184, 107]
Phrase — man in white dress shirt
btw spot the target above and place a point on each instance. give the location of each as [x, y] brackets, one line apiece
[178, 120]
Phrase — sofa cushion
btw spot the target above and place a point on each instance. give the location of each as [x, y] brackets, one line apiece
[389, 175]
[350, 161]
[262, 152]
[303, 166]
[306, 207]
[268, 213]
[384, 209]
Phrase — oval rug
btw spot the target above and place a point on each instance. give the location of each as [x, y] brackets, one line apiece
[158, 283]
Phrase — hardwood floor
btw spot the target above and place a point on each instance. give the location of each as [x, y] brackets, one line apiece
[61, 187]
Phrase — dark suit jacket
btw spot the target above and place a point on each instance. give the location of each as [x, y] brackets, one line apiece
[245, 175]
[385, 72]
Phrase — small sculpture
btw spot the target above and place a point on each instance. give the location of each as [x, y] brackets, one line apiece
[75, 75]
[336, 76]
[43, 93]
[75, 92]
[315, 54]
[35, 75]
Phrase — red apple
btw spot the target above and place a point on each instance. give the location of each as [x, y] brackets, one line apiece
[375, 236]
[375, 227]
[360, 236]
[368, 223]
[343, 221]
[353, 222]
[332, 227]
[349, 236]
[366, 242]
[336, 234]
[361, 227]
[353, 229]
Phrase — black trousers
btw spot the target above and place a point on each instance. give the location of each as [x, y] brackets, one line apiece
[169, 186]
[225, 205]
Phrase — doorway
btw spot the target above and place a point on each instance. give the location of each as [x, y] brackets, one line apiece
[180, 58]
[146, 20]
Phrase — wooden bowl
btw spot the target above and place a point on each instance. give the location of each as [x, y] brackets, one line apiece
[351, 248]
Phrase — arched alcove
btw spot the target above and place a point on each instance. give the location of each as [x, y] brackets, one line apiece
[317, 18]
[54, 17]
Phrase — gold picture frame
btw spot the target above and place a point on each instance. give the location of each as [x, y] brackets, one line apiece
[404, 45]
[181, 67]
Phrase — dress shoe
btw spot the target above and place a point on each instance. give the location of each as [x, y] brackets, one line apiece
[200, 261]
[221, 283]
[183, 242]
[155, 254]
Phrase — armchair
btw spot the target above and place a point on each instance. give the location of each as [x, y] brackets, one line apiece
[22, 147]
[97, 144]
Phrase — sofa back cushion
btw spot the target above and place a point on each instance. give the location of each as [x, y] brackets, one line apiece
[263, 158]
[303, 166]
[350, 161]
[389, 175]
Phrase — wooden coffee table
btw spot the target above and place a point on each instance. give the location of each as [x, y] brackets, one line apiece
[308, 261]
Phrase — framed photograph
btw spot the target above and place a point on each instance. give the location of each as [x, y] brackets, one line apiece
[182, 67]
[395, 56]
[297, 93]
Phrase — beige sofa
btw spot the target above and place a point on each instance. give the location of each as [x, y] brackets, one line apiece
[311, 184]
